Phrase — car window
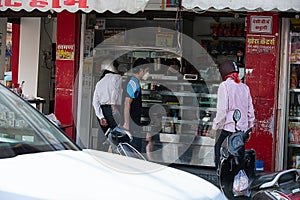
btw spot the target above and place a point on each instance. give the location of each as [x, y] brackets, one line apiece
[24, 130]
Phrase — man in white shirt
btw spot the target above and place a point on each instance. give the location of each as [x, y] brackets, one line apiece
[108, 94]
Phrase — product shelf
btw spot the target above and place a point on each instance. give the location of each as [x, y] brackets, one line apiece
[293, 115]
[295, 90]
[294, 145]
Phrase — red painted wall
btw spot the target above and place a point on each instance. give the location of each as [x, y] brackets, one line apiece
[68, 33]
[262, 55]
[15, 52]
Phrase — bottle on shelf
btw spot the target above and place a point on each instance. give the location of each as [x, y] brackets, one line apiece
[240, 56]
[294, 78]
[291, 137]
[291, 110]
[294, 161]
[295, 132]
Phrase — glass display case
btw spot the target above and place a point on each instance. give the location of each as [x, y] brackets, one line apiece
[293, 115]
[181, 112]
[179, 98]
[179, 104]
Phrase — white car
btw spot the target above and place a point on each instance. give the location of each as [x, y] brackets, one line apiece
[37, 161]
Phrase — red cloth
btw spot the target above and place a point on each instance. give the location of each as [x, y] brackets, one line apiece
[234, 76]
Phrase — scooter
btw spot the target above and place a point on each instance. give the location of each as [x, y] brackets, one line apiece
[119, 139]
[283, 185]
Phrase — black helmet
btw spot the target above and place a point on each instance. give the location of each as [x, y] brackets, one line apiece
[119, 135]
[228, 67]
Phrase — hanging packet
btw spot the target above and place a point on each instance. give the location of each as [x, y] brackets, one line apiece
[241, 185]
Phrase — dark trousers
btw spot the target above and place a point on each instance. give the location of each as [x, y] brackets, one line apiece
[108, 115]
[138, 136]
[137, 143]
[223, 135]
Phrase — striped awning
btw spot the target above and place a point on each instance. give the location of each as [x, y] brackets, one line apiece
[100, 6]
[248, 5]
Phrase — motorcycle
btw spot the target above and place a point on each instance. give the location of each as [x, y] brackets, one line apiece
[119, 139]
[283, 185]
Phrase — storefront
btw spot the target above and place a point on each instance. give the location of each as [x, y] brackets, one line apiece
[67, 15]
[179, 103]
[200, 40]
[268, 68]
[182, 133]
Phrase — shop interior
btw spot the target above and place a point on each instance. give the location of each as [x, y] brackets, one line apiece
[293, 103]
[180, 94]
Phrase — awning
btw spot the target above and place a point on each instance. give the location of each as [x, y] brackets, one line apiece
[100, 6]
[248, 5]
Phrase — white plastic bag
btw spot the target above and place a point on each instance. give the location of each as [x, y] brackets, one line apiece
[53, 119]
[241, 185]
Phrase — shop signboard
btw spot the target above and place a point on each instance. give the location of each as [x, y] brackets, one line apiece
[100, 24]
[114, 36]
[261, 24]
[131, 6]
[172, 3]
[261, 44]
[65, 52]
[164, 39]
[88, 42]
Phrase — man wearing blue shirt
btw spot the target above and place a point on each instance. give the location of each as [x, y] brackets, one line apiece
[133, 103]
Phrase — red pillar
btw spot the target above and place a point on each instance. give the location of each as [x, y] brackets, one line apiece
[262, 55]
[68, 40]
[15, 52]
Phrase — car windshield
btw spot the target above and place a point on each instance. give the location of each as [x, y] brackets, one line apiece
[25, 130]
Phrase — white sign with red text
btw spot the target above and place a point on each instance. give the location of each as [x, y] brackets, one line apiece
[261, 24]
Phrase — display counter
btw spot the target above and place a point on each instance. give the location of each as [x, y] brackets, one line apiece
[180, 113]
[183, 149]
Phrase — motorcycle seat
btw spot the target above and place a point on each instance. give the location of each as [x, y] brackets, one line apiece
[261, 179]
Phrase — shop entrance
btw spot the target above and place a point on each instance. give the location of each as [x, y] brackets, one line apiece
[183, 83]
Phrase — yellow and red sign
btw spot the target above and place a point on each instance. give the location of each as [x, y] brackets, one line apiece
[261, 44]
[65, 52]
